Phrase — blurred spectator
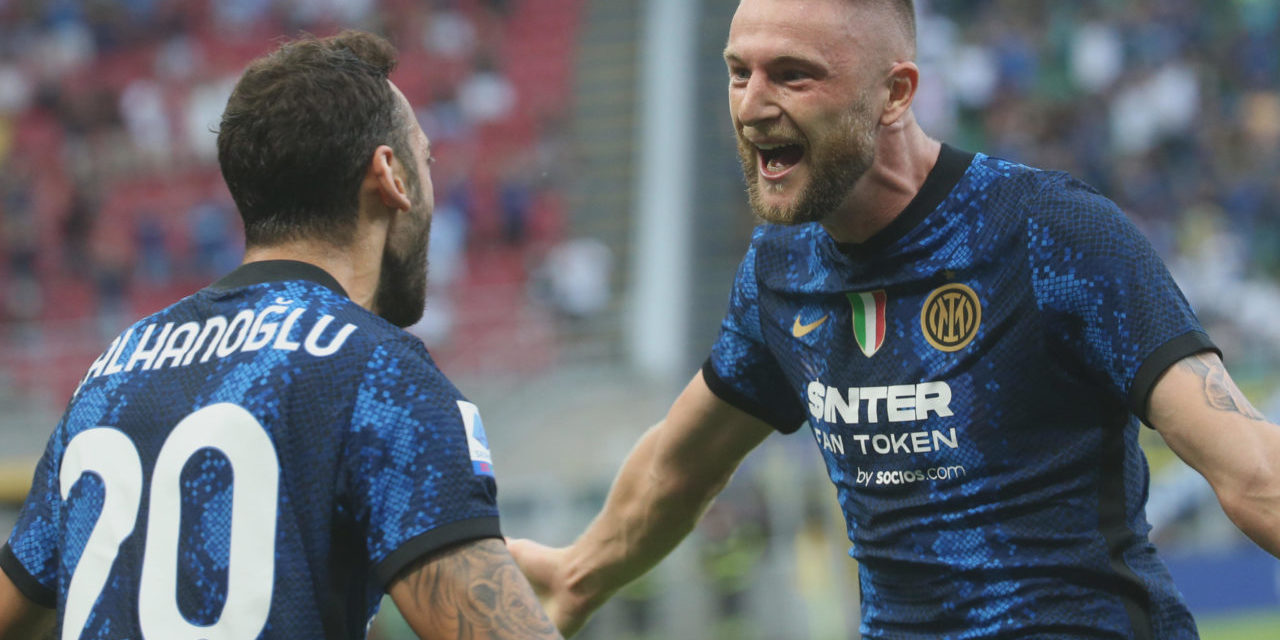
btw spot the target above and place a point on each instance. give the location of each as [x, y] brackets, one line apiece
[576, 276]
[16, 90]
[450, 34]
[77, 224]
[154, 264]
[215, 250]
[515, 201]
[486, 95]
[442, 120]
[204, 110]
[1097, 56]
[143, 110]
[22, 299]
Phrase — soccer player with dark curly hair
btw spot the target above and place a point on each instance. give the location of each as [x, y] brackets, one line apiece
[269, 456]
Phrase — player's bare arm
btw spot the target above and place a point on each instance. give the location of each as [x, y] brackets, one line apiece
[474, 591]
[1212, 426]
[664, 486]
[21, 618]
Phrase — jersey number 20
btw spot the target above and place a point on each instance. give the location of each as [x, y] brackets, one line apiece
[111, 455]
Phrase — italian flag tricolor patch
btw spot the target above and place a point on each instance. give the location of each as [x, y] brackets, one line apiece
[868, 320]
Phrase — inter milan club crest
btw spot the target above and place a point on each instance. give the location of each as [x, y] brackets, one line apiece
[868, 320]
[950, 317]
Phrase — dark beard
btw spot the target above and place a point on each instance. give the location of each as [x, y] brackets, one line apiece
[402, 283]
[849, 154]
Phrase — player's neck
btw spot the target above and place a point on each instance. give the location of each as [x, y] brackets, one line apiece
[904, 157]
[355, 267]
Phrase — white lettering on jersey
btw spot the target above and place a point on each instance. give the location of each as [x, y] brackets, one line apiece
[248, 331]
[889, 443]
[897, 403]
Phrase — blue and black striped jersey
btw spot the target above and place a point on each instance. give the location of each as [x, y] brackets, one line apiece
[974, 376]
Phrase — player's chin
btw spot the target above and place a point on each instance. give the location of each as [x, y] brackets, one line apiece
[781, 190]
[776, 205]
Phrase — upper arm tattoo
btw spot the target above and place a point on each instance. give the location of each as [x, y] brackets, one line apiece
[476, 591]
[1219, 391]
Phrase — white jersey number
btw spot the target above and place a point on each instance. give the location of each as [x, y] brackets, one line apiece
[113, 457]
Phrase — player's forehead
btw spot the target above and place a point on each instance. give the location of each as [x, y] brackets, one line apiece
[818, 30]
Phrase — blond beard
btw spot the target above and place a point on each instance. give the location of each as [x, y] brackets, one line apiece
[845, 157]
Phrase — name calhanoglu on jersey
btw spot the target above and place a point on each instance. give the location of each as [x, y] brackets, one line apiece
[178, 346]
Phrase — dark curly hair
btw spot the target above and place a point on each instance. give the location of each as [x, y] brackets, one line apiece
[299, 131]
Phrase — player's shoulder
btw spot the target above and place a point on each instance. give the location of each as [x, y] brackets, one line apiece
[1045, 195]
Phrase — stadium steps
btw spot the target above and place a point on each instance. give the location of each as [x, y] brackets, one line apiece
[604, 121]
[600, 194]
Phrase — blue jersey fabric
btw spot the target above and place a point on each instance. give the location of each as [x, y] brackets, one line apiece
[376, 457]
[973, 376]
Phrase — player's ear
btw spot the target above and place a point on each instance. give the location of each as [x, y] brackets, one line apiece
[902, 81]
[387, 175]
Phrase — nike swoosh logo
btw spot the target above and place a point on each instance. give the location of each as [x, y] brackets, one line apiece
[801, 330]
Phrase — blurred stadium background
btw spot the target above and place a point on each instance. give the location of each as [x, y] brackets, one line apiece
[589, 219]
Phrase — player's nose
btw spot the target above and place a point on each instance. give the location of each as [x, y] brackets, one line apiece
[756, 101]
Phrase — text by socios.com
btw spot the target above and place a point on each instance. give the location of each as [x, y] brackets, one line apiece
[909, 476]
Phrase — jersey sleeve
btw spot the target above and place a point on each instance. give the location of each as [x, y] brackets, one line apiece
[741, 369]
[31, 557]
[1107, 297]
[417, 472]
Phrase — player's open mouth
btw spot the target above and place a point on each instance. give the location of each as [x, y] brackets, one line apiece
[777, 160]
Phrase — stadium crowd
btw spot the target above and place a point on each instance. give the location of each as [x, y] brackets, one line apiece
[1170, 107]
[110, 199]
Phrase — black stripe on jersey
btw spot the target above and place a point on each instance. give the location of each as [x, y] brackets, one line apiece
[1167, 355]
[437, 539]
[722, 390]
[1111, 524]
[278, 271]
[28, 585]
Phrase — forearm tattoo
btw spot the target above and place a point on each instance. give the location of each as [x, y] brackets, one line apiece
[477, 591]
[1219, 392]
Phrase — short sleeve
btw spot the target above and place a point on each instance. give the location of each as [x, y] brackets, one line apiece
[741, 369]
[30, 557]
[417, 473]
[1107, 297]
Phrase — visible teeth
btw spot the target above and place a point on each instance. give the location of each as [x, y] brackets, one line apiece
[774, 166]
[772, 146]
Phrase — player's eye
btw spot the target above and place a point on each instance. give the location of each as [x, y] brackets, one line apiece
[793, 75]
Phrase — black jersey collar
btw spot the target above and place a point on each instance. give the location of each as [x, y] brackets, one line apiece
[945, 175]
[277, 271]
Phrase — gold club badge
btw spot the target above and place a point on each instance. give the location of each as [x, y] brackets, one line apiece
[950, 317]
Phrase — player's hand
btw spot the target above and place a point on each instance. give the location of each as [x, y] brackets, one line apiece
[545, 567]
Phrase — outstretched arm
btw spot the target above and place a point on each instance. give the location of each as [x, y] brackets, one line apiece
[474, 591]
[1209, 423]
[20, 617]
[664, 486]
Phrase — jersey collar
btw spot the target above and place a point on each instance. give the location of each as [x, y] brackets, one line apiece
[945, 175]
[276, 271]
